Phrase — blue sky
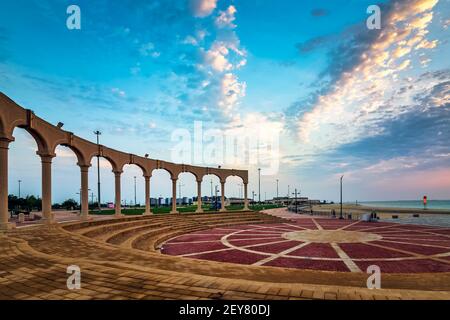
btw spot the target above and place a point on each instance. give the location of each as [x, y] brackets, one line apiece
[339, 98]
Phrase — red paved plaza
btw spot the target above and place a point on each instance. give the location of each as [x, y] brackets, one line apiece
[322, 244]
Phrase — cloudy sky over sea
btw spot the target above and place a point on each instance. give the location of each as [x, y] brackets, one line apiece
[372, 105]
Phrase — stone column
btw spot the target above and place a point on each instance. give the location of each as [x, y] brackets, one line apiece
[84, 192]
[199, 197]
[46, 161]
[222, 196]
[4, 213]
[174, 196]
[245, 197]
[118, 204]
[147, 196]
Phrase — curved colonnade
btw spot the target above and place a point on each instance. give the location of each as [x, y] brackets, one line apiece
[48, 137]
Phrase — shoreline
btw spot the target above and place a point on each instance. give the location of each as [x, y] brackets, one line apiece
[360, 208]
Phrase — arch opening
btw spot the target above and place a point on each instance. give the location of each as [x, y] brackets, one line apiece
[161, 191]
[24, 178]
[234, 191]
[211, 192]
[107, 190]
[187, 192]
[133, 189]
[66, 197]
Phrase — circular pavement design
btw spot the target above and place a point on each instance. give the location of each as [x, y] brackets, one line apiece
[322, 244]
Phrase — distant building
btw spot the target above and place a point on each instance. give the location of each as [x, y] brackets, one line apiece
[235, 201]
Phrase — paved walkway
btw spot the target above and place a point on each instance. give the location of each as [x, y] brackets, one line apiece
[34, 261]
[322, 244]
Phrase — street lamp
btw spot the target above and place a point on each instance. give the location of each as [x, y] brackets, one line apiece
[215, 196]
[277, 188]
[341, 216]
[295, 199]
[135, 191]
[259, 185]
[211, 190]
[98, 133]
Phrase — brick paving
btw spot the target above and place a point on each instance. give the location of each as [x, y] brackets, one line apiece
[321, 245]
[116, 263]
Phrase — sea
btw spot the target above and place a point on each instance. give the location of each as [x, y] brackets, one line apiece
[411, 204]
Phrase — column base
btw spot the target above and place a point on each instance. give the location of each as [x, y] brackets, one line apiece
[86, 218]
[174, 212]
[148, 213]
[199, 211]
[222, 210]
[118, 215]
[7, 226]
[50, 220]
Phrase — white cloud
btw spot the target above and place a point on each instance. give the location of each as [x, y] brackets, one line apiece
[216, 57]
[118, 92]
[231, 91]
[148, 50]
[368, 94]
[224, 56]
[225, 18]
[203, 8]
[262, 132]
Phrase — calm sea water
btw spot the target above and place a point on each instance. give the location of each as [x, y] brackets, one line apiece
[413, 204]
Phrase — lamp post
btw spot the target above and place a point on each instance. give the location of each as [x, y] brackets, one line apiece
[259, 185]
[340, 215]
[215, 197]
[19, 187]
[135, 191]
[277, 188]
[211, 189]
[98, 133]
[295, 199]
[253, 196]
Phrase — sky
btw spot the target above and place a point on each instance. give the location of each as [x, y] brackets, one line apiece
[302, 89]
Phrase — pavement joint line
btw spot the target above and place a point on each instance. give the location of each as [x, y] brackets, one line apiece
[351, 265]
[278, 255]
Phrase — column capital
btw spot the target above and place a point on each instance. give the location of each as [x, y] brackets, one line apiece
[117, 172]
[46, 157]
[147, 176]
[4, 142]
[84, 167]
[199, 180]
